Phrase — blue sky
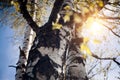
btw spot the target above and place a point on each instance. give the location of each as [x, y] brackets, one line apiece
[9, 51]
[8, 54]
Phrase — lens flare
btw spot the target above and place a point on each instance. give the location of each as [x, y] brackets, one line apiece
[96, 28]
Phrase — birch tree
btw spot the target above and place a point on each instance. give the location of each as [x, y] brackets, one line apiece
[27, 43]
[58, 53]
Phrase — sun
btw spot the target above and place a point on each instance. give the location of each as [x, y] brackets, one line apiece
[96, 27]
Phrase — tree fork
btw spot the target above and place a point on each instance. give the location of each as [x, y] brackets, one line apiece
[41, 65]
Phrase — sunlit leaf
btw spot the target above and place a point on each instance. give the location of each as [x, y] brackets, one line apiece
[84, 48]
[89, 21]
[67, 7]
[85, 40]
[16, 5]
[56, 26]
[85, 10]
[77, 18]
[66, 18]
[84, 56]
[100, 3]
[91, 7]
[96, 41]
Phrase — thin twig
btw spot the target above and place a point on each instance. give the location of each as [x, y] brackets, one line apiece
[12, 66]
[111, 31]
[109, 17]
[110, 9]
[92, 69]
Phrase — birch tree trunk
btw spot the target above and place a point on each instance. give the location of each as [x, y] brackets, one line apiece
[27, 43]
[54, 54]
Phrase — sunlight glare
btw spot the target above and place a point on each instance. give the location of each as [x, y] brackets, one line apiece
[96, 28]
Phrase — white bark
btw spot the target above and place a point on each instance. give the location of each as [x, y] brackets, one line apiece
[27, 43]
[28, 39]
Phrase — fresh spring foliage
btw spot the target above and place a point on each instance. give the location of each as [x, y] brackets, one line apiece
[84, 7]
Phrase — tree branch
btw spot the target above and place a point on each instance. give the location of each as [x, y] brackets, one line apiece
[58, 5]
[92, 69]
[26, 15]
[108, 58]
[53, 16]
[110, 9]
[114, 3]
[12, 66]
[55, 10]
[112, 31]
[109, 17]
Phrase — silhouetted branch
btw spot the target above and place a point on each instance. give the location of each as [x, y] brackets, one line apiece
[55, 10]
[107, 58]
[26, 15]
[53, 15]
[115, 3]
[93, 75]
[97, 72]
[110, 9]
[111, 31]
[12, 66]
[109, 17]
[92, 69]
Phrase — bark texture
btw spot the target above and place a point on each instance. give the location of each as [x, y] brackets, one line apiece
[27, 43]
[54, 54]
